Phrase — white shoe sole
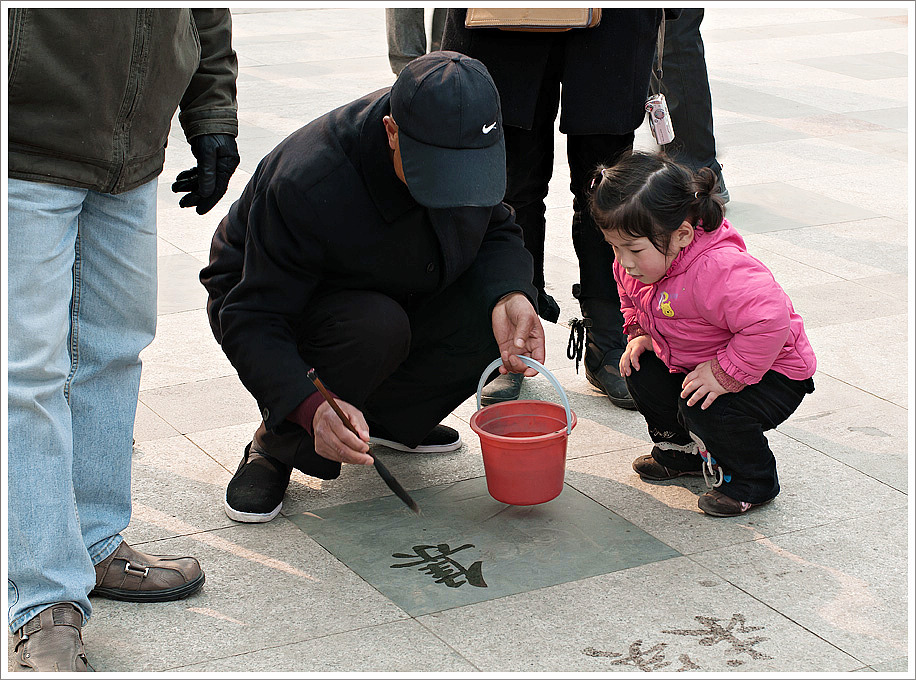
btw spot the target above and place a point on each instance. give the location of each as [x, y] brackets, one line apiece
[250, 517]
[397, 446]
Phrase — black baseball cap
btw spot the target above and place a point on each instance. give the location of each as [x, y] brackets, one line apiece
[450, 131]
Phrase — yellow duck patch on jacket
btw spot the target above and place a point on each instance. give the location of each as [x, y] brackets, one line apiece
[664, 305]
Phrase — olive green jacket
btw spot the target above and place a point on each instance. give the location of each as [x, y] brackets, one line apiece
[92, 92]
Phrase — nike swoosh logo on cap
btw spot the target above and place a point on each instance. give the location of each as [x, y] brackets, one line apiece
[487, 129]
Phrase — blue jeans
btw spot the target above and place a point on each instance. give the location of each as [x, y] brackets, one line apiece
[82, 305]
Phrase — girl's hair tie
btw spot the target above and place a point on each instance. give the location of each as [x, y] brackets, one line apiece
[696, 194]
[595, 179]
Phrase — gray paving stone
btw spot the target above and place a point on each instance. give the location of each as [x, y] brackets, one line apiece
[668, 616]
[778, 206]
[753, 132]
[768, 16]
[899, 665]
[184, 351]
[510, 549]
[871, 437]
[830, 124]
[747, 100]
[799, 159]
[400, 647]
[895, 285]
[842, 351]
[872, 66]
[884, 193]
[203, 404]
[839, 581]
[179, 287]
[819, 304]
[893, 118]
[855, 250]
[267, 585]
[668, 510]
[177, 489]
[149, 425]
[889, 143]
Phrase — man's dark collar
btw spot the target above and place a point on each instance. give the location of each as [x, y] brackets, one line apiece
[388, 192]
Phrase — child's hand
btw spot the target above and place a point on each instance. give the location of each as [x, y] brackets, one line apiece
[629, 361]
[701, 382]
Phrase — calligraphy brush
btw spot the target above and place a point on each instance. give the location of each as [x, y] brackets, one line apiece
[386, 476]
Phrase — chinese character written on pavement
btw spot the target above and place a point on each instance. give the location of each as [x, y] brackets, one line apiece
[436, 561]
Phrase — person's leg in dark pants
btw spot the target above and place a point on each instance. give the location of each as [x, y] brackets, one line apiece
[597, 291]
[656, 392]
[451, 340]
[355, 340]
[371, 352]
[685, 84]
[529, 167]
[732, 431]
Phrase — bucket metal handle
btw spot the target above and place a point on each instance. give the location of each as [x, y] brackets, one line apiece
[540, 368]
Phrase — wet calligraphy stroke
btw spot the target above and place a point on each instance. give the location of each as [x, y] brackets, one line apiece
[653, 658]
[714, 633]
[645, 660]
[442, 566]
[650, 659]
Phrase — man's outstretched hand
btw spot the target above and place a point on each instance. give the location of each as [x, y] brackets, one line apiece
[517, 329]
[217, 158]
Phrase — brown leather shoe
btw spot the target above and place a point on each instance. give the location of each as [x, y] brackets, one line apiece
[52, 640]
[133, 576]
[717, 504]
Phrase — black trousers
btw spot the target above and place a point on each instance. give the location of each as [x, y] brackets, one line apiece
[731, 428]
[529, 166]
[405, 366]
[685, 84]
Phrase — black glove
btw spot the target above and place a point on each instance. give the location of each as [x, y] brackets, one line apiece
[217, 158]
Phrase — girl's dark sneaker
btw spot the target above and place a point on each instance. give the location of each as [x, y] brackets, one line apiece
[649, 468]
[717, 504]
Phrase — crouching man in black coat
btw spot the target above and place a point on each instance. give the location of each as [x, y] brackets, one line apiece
[372, 245]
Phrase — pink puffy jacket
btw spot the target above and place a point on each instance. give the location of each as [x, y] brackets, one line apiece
[717, 302]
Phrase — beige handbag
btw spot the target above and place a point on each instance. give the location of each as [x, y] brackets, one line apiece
[537, 19]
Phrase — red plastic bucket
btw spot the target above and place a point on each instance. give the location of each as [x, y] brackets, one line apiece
[524, 444]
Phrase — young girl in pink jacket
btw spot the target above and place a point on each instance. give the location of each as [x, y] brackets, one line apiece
[716, 353]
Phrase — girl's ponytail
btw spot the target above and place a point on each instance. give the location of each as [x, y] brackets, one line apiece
[709, 208]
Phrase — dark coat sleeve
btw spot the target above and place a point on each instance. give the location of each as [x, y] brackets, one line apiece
[282, 266]
[209, 103]
[502, 265]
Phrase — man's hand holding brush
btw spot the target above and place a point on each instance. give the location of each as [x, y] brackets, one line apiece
[334, 441]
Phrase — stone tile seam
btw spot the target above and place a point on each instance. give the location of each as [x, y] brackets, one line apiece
[844, 463]
[233, 374]
[301, 641]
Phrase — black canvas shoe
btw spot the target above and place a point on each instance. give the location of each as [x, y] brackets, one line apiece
[440, 440]
[255, 492]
